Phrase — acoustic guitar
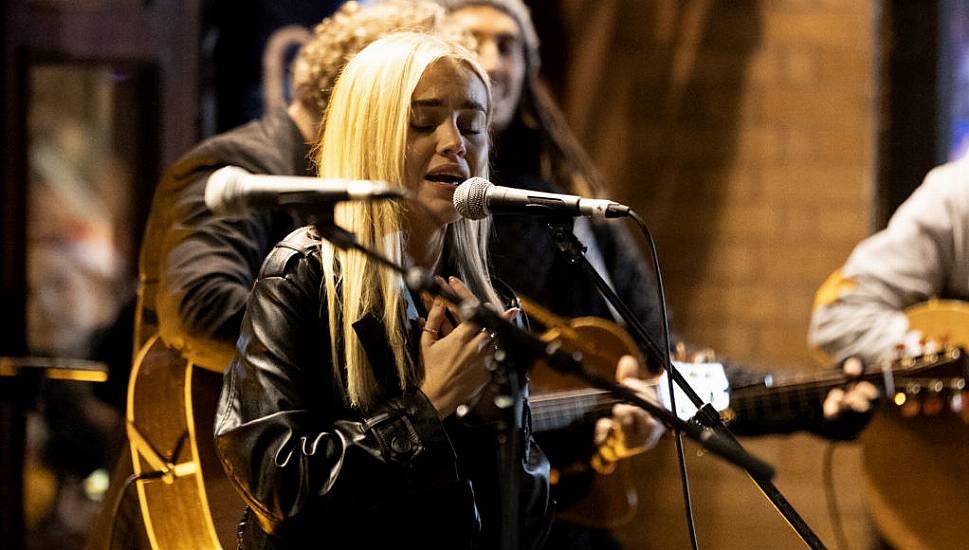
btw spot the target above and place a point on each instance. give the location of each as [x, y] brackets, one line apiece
[926, 383]
[912, 387]
[916, 457]
[188, 502]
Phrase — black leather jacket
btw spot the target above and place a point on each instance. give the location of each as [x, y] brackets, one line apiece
[313, 469]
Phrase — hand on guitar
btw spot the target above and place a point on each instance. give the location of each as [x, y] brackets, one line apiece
[630, 430]
[847, 410]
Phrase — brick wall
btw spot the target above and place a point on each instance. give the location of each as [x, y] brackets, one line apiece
[744, 133]
[746, 138]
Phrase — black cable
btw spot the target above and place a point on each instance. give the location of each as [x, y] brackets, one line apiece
[677, 435]
[708, 416]
[834, 512]
[116, 505]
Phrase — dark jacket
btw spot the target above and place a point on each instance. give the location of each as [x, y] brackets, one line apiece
[196, 269]
[314, 469]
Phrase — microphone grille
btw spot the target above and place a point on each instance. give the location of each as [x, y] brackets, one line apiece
[471, 198]
[223, 191]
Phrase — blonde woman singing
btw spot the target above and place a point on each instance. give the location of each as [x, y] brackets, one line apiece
[336, 420]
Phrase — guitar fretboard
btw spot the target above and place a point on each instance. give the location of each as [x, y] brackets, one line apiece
[782, 396]
[558, 410]
[787, 395]
[799, 393]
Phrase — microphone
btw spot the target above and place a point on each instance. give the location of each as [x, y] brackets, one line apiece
[232, 191]
[478, 198]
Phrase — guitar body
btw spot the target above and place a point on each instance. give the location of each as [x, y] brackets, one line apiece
[917, 475]
[609, 500]
[170, 418]
[606, 500]
[917, 467]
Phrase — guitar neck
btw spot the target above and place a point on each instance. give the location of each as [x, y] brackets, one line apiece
[791, 395]
[805, 393]
[775, 397]
[559, 410]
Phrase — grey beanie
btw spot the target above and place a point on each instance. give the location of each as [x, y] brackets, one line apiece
[519, 12]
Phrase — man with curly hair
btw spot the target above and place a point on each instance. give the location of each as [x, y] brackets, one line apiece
[196, 269]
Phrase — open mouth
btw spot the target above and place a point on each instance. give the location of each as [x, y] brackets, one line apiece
[449, 179]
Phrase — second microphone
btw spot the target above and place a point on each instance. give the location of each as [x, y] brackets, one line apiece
[478, 198]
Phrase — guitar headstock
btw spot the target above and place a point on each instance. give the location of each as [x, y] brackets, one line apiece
[708, 380]
[928, 384]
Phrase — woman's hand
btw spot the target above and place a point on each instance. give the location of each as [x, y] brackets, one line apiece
[454, 357]
[630, 430]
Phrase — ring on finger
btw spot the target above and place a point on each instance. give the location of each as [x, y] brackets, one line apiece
[432, 331]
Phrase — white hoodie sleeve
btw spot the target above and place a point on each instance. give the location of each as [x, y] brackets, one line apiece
[923, 253]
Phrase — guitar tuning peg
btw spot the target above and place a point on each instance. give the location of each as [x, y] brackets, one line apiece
[909, 401]
[955, 402]
[680, 352]
[705, 355]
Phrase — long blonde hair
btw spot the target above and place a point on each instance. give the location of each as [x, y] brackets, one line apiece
[365, 137]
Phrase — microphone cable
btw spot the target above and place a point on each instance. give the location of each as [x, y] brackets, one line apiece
[677, 434]
[119, 498]
[766, 486]
[831, 496]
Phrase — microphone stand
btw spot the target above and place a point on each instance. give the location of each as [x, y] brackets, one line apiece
[526, 345]
[707, 415]
[509, 401]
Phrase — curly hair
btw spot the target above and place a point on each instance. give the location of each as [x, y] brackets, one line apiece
[342, 35]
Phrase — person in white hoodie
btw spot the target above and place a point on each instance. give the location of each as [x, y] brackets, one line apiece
[860, 311]
[922, 254]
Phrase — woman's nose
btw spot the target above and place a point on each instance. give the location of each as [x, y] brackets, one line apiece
[450, 140]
